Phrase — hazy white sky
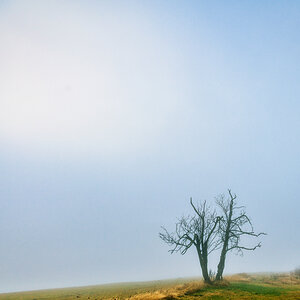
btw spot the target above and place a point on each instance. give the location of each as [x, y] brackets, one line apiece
[113, 113]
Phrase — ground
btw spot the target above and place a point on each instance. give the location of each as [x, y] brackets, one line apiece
[240, 286]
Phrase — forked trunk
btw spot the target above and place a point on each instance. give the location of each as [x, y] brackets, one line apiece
[203, 263]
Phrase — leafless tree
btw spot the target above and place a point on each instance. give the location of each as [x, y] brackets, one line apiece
[200, 231]
[208, 231]
[233, 225]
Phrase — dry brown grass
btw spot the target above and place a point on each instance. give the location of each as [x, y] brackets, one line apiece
[276, 279]
[170, 293]
[287, 285]
[239, 286]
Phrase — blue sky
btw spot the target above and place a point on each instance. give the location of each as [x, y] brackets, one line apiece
[113, 114]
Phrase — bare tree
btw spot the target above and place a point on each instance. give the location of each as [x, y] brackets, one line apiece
[207, 231]
[233, 226]
[200, 231]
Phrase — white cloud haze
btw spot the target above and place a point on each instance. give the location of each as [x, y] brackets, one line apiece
[113, 114]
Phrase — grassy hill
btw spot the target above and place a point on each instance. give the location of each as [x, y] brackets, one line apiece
[240, 286]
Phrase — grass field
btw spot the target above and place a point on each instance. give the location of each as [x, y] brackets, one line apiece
[241, 286]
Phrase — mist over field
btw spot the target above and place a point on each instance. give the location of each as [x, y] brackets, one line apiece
[114, 113]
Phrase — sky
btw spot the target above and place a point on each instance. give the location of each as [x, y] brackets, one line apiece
[114, 113]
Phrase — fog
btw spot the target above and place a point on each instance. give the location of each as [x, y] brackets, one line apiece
[113, 113]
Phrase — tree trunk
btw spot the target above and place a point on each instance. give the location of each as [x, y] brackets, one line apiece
[205, 274]
[203, 263]
[221, 265]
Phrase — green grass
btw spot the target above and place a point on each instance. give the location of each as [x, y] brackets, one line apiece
[257, 289]
[243, 287]
[246, 286]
